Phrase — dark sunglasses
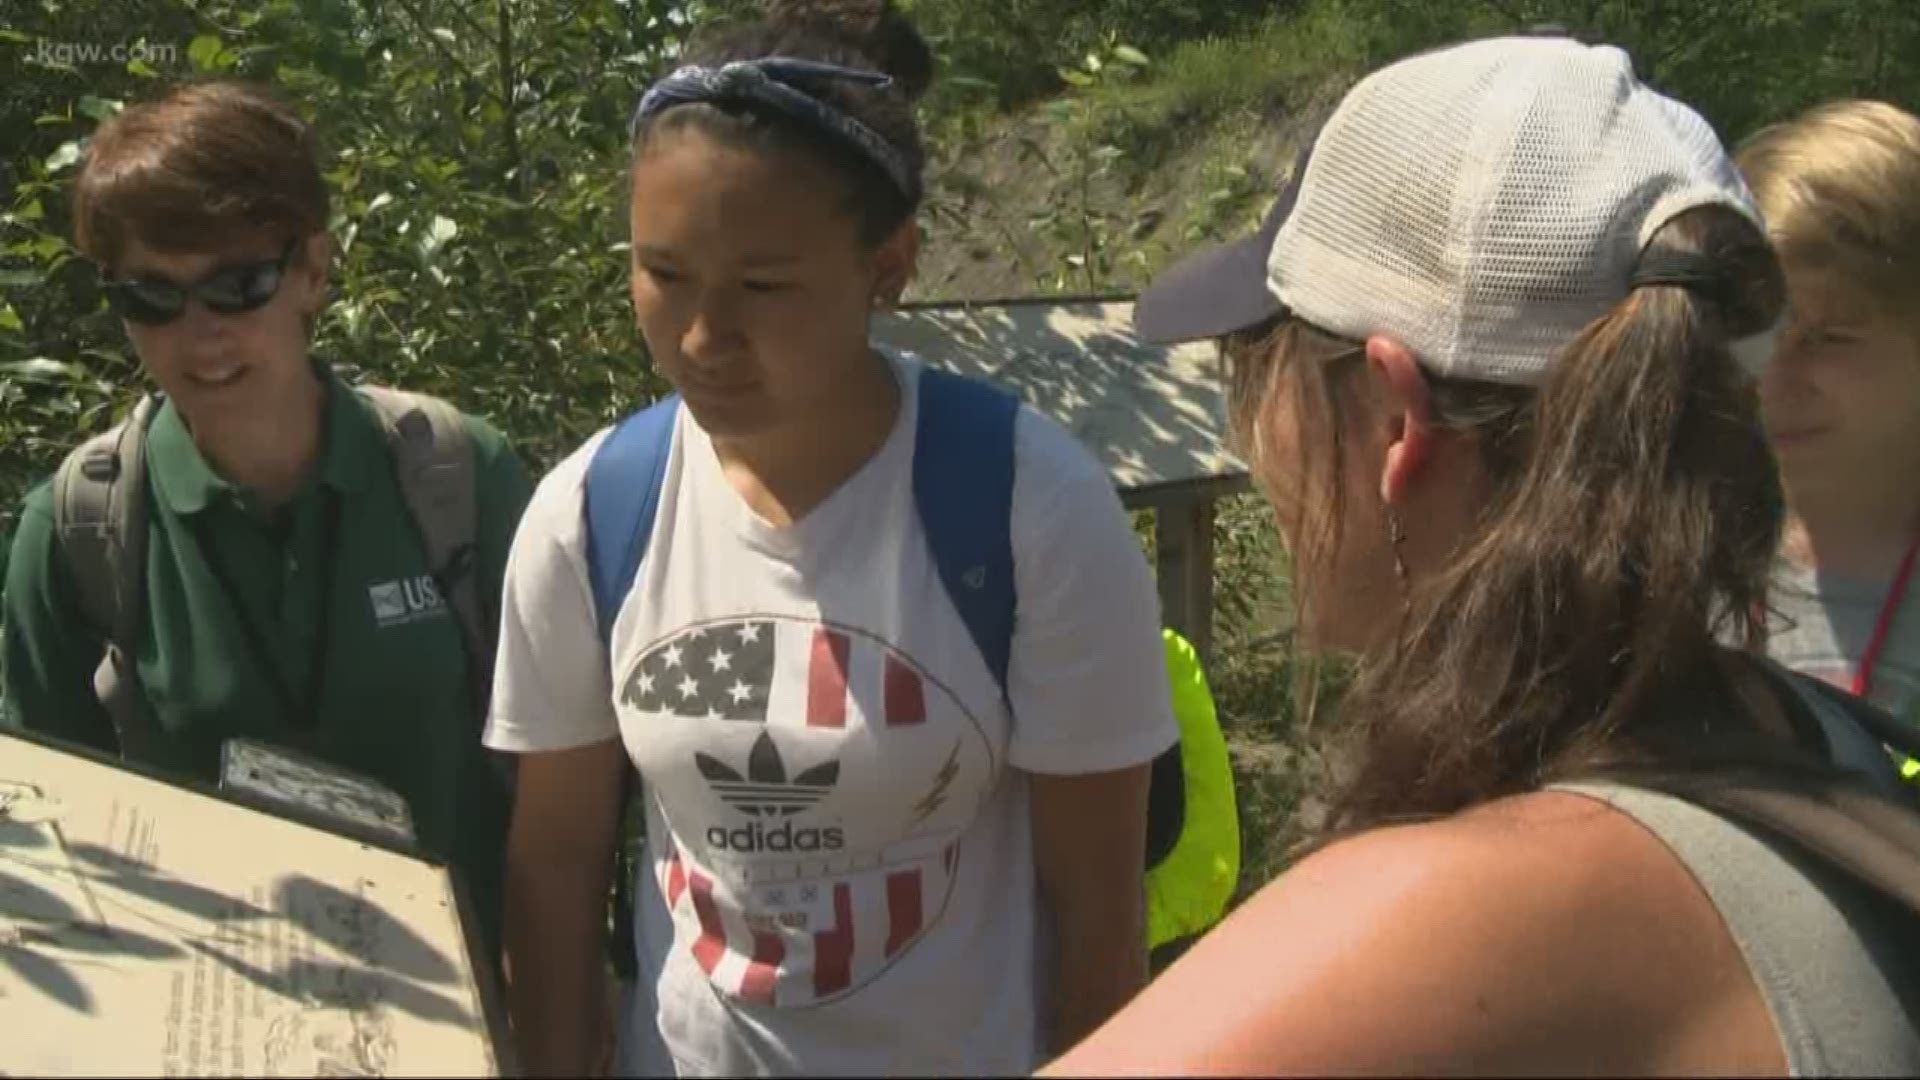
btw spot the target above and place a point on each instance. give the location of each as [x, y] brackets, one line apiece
[228, 290]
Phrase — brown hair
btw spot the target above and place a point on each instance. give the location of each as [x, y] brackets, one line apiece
[1840, 188]
[209, 156]
[864, 34]
[1633, 517]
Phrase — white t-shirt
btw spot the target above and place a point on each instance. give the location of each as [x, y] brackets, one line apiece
[839, 873]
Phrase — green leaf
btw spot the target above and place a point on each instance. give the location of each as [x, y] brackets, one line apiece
[14, 36]
[137, 66]
[64, 157]
[10, 319]
[1127, 54]
[33, 211]
[379, 201]
[39, 367]
[98, 108]
[1073, 77]
[205, 52]
[438, 232]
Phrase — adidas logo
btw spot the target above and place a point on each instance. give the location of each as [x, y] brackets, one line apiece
[766, 792]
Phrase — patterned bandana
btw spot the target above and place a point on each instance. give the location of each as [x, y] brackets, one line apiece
[777, 82]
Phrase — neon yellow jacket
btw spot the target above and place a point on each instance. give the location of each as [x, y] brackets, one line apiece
[1189, 891]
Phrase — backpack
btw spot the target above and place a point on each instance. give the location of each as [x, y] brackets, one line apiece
[963, 466]
[1865, 826]
[100, 519]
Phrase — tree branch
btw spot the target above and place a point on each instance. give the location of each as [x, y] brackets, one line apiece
[426, 31]
[510, 122]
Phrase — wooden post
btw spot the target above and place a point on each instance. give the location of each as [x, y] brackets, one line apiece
[1183, 541]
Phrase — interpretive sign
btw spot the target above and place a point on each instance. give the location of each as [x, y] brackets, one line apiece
[154, 929]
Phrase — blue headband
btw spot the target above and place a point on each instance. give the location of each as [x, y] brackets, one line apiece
[775, 82]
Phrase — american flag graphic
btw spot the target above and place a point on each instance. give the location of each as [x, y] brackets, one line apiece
[793, 879]
[830, 938]
[741, 670]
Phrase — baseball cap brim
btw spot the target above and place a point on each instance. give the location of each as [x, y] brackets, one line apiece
[1222, 289]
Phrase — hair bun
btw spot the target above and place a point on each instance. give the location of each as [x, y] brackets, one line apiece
[873, 28]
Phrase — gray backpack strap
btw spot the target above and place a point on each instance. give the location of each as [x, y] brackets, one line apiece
[100, 519]
[433, 461]
[1851, 817]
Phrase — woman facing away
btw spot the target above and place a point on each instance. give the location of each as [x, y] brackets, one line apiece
[1840, 190]
[865, 854]
[1487, 359]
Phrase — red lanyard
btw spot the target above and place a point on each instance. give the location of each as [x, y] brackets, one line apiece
[1883, 626]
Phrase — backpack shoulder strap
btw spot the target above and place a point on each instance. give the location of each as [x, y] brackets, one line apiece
[1871, 837]
[433, 463]
[620, 502]
[1854, 817]
[963, 468]
[622, 499]
[100, 522]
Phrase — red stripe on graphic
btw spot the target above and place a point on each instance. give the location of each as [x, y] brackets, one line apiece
[712, 944]
[903, 909]
[676, 879]
[762, 973]
[833, 949]
[827, 680]
[906, 702]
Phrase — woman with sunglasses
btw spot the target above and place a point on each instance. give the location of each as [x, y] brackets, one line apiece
[1493, 360]
[284, 592]
[864, 855]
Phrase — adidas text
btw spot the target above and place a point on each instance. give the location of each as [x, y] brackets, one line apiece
[754, 837]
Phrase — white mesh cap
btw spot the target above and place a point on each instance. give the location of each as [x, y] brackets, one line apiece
[1486, 202]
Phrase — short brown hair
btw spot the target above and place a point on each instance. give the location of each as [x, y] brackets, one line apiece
[1839, 186]
[208, 157]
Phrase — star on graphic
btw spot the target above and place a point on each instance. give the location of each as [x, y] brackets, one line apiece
[722, 660]
[671, 655]
[809, 893]
[689, 688]
[749, 633]
[645, 682]
[740, 692]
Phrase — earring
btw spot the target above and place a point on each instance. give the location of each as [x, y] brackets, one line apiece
[1396, 536]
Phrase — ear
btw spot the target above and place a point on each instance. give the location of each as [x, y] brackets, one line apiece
[315, 259]
[1408, 414]
[894, 263]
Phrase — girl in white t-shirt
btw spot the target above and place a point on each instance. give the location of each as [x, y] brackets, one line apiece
[862, 856]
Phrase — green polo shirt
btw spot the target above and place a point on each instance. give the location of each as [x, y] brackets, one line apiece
[372, 671]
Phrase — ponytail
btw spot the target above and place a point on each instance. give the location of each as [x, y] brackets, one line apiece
[1635, 515]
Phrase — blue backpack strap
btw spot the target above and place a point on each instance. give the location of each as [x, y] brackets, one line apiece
[963, 460]
[622, 499]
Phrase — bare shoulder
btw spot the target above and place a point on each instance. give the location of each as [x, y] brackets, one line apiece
[1544, 932]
